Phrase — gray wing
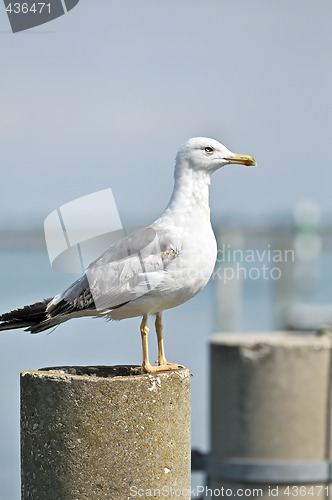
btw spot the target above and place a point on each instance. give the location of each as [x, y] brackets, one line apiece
[130, 268]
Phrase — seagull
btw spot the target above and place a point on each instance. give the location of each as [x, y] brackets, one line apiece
[153, 269]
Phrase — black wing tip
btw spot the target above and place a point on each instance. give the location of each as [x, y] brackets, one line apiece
[27, 316]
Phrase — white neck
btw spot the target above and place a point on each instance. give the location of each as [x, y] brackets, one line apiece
[191, 193]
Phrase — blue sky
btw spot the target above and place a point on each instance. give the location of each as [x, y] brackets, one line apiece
[103, 97]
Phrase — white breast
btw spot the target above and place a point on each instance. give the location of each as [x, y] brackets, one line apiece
[189, 260]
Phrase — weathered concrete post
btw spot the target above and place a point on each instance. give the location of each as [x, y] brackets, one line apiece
[104, 432]
[270, 411]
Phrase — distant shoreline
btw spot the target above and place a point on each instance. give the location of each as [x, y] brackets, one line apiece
[33, 239]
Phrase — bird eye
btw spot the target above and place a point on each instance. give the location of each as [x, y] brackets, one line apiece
[209, 149]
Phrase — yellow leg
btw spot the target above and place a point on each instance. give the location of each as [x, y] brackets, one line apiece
[144, 334]
[159, 332]
[163, 365]
[162, 362]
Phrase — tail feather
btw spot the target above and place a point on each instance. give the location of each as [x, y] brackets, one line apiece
[28, 316]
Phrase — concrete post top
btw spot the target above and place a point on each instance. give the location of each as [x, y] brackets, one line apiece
[104, 432]
[292, 339]
[91, 373]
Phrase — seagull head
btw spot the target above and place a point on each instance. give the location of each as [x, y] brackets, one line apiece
[208, 155]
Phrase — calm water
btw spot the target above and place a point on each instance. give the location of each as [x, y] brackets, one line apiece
[27, 277]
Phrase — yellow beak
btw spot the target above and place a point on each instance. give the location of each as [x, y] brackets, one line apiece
[248, 161]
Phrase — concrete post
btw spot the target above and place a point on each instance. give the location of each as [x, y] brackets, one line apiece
[270, 407]
[104, 433]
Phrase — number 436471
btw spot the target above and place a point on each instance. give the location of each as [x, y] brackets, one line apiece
[25, 8]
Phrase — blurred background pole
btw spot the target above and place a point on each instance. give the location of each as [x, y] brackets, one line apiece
[270, 411]
[104, 432]
[228, 282]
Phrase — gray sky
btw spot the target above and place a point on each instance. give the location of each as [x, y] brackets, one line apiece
[103, 97]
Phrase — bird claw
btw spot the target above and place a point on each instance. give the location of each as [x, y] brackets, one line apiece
[167, 367]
